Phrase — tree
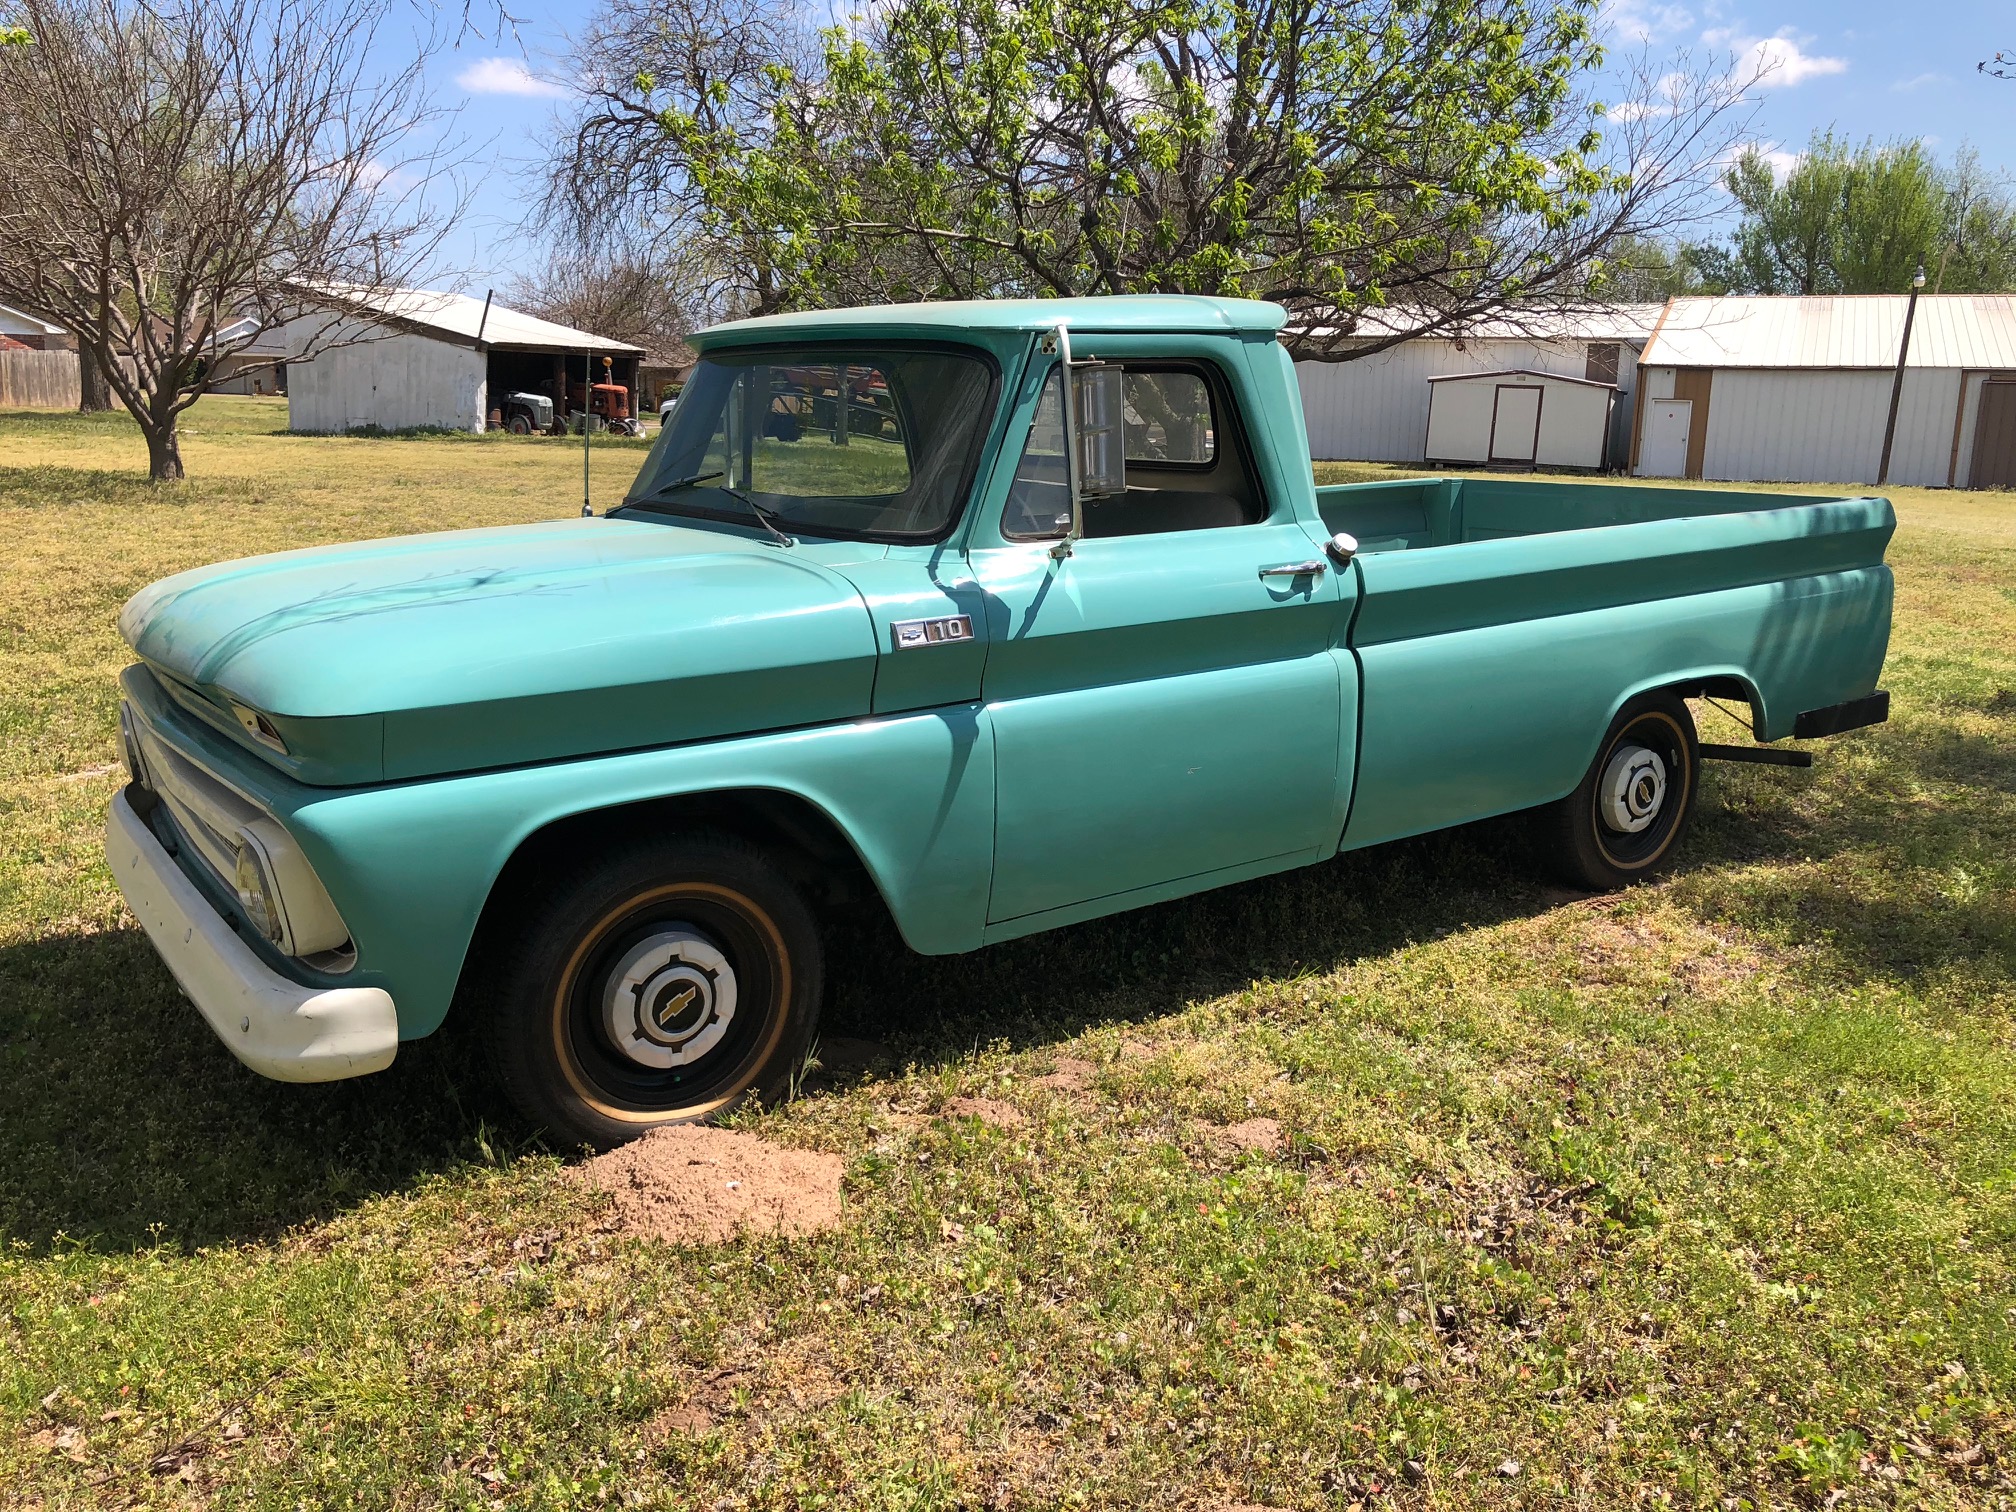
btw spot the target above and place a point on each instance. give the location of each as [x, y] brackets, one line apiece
[1861, 220]
[171, 171]
[1442, 157]
[1650, 270]
[620, 296]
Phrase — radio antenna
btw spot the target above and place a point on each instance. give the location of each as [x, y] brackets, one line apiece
[587, 413]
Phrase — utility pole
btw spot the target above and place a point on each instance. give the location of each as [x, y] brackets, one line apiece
[1897, 383]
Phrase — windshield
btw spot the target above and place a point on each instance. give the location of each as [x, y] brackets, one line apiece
[867, 442]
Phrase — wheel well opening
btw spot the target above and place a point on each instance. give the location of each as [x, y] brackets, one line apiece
[1725, 686]
[801, 838]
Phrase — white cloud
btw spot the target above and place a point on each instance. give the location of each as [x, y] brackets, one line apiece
[1919, 81]
[507, 76]
[1779, 61]
[1642, 21]
[1782, 162]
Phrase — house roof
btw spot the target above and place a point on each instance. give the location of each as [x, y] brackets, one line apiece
[20, 322]
[1619, 322]
[1112, 313]
[1835, 331]
[460, 318]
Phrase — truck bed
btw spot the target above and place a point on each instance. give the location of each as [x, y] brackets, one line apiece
[1409, 514]
[1500, 621]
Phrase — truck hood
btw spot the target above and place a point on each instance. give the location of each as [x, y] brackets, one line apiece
[437, 653]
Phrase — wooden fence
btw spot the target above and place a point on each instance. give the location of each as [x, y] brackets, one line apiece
[39, 380]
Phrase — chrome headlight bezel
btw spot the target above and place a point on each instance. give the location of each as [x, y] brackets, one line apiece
[130, 750]
[258, 896]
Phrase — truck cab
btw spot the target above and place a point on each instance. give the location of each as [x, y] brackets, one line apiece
[994, 616]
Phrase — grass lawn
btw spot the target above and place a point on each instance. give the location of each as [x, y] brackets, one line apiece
[1700, 1195]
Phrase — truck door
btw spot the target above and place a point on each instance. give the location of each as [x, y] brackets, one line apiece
[1165, 698]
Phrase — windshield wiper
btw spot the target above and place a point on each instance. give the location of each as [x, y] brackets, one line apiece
[765, 516]
[674, 486]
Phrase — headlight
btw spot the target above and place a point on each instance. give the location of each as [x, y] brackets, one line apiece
[129, 748]
[281, 895]
[256, 893]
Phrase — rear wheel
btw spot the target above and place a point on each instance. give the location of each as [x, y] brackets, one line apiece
[519, 425]
[1626, 817]
[666, 983]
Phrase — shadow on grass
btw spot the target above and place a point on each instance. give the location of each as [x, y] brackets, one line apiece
[125, 1123]
[43, 487]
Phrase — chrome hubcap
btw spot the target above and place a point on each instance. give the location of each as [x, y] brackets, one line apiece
[1633, 789]
[670, 999]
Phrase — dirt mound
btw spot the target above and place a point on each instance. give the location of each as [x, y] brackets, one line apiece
[989, 1110]
[692, 1185]
[1253, 1134]
[1071, 1075]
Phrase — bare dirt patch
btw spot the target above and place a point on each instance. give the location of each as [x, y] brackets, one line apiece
[1071, 1075]
[989, 1110]
[693, 1185]
[1261, 1136]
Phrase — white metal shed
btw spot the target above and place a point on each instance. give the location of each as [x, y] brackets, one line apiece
[1797, 389]
[1518, 419]
[1374, 407]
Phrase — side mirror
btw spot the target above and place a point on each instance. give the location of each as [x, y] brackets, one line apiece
[1095, 431]
[1098, 410]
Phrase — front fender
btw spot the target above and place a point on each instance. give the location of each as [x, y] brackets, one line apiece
[411, 866]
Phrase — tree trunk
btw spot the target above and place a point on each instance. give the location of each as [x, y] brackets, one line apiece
[164, 454]
[95, 388]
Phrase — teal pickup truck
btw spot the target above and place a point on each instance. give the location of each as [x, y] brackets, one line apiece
[993, 616]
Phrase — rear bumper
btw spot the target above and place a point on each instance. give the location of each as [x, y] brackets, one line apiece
[1835, 719]
[277, 1027]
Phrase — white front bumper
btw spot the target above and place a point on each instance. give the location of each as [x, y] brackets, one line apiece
[277, 1027]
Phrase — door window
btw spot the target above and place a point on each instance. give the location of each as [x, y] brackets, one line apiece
[1185, 469]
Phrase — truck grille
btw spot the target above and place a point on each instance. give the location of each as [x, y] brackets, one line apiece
[206, 813]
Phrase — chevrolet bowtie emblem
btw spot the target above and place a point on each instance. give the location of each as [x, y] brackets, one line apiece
[672, 1007]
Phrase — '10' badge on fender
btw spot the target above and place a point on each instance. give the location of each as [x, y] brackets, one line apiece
[910, 634]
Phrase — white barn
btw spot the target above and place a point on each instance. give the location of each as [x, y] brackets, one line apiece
[405, 359]
[1375, 408]
[1797, 390]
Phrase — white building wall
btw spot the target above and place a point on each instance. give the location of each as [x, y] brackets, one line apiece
[1788, 426]
[1375, 409]
[398, 381]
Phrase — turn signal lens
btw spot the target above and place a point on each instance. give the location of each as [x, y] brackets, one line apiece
[256, 893]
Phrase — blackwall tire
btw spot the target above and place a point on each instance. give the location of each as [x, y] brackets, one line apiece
[1647, 773]
[669, 982]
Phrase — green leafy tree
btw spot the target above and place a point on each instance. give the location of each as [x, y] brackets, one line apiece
[1439, 157]
[1861, 219]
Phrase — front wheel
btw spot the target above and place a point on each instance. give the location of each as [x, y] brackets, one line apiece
[1626, 817]
[666, 982]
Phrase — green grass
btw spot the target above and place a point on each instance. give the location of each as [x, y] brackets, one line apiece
[1701, 1195]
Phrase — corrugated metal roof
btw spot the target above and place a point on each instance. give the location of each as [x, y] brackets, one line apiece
[1624, 322]
[1835, 331]
[460, 316]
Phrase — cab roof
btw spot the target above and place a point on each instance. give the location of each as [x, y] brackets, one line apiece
[1110, 313]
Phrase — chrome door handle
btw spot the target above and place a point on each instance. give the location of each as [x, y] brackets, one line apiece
[1309, 568]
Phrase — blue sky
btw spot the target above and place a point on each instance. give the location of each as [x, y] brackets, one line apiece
[1868, 69]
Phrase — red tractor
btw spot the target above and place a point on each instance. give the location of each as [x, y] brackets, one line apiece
[610, 403]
